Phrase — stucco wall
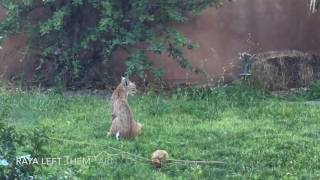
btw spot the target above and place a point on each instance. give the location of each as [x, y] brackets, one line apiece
[240, 26]
[11, 54]
[245, 26]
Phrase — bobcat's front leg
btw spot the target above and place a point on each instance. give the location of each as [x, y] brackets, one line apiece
[109, 132]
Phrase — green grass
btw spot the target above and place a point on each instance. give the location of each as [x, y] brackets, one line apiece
[257, 136]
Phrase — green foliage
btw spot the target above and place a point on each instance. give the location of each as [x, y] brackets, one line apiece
[78, 34]
[12, 143]
[138, 64]
[314, 91]
[16, 143]
[317, 4]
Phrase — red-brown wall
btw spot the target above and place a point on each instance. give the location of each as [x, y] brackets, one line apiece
[241, 26]
[245, 26]
[11, 54]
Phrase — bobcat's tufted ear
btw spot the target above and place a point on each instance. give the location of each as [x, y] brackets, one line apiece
[124, 81]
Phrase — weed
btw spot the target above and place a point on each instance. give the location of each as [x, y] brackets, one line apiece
[314, 91]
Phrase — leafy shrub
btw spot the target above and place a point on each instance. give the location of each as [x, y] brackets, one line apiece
[314, 91]
[76, 35]
[11, 143]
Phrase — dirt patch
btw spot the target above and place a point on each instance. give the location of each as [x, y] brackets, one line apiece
[284, 70]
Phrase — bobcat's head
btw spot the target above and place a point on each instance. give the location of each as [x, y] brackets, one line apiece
[129, 86]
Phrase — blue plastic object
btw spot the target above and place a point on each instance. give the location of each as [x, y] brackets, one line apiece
[3, 162]
[246, 63]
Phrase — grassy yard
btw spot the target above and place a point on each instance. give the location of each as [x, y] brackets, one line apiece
[257, 135]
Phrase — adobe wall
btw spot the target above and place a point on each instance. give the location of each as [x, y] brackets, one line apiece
[245, 26]
[240, 26]
[11, 54]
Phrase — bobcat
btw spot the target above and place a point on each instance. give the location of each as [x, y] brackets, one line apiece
[123, 125]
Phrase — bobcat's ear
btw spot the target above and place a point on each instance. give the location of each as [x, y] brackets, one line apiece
[124, 81]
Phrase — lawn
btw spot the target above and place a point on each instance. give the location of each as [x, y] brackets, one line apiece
[256, 135]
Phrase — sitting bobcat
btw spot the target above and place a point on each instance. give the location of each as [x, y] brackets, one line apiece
[123, 125]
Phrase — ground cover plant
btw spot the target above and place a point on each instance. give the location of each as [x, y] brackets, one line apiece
[257, 135]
